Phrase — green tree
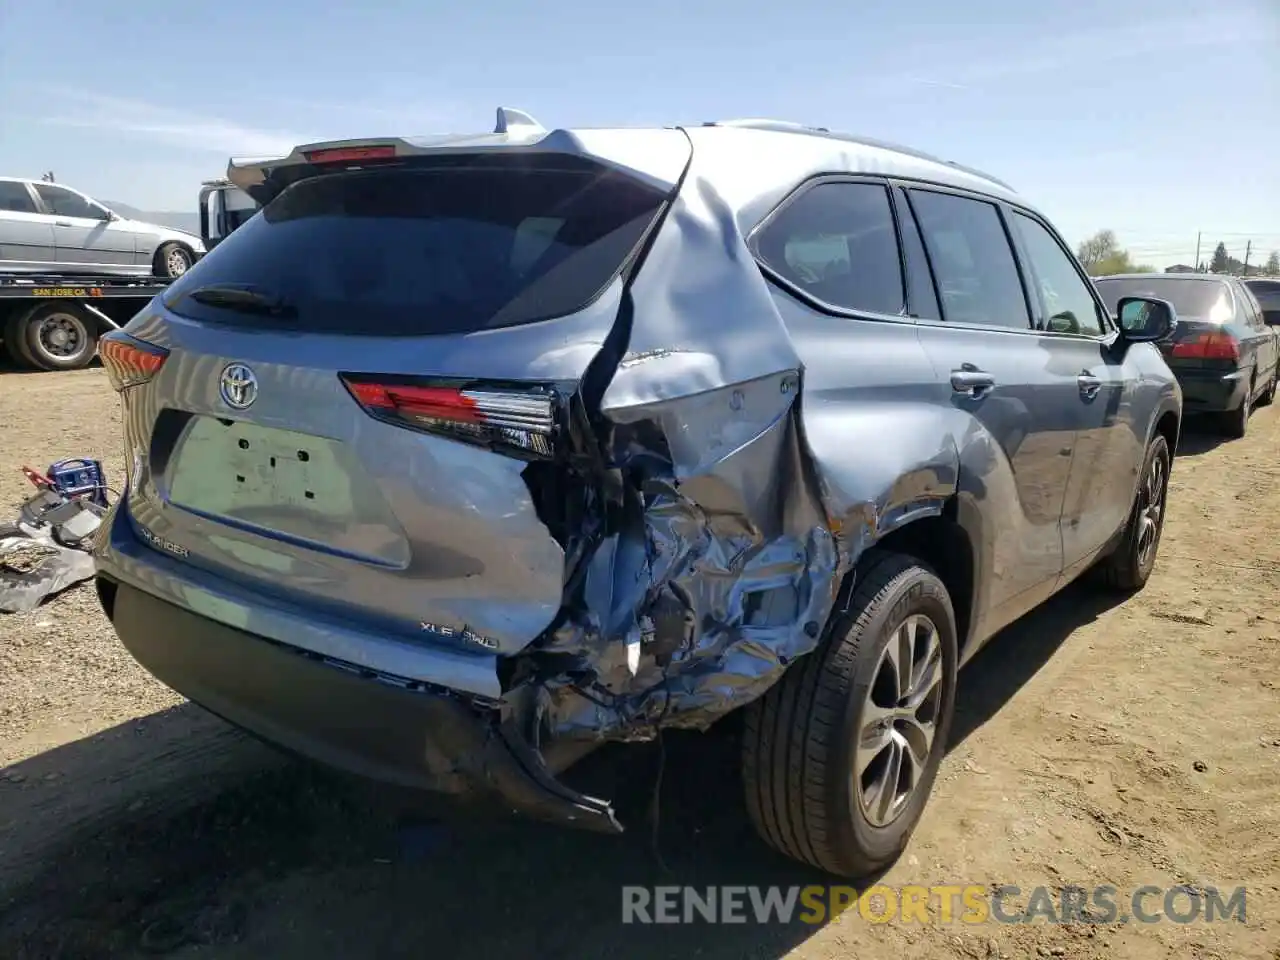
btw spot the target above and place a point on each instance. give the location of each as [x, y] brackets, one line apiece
[1273, 264]
[1102, 256]
[1220, 263]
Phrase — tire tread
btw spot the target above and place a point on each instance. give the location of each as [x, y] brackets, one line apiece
[788, 732]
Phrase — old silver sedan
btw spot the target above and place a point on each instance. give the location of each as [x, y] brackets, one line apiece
[50, 228]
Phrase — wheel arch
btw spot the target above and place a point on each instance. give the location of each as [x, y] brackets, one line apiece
[939, 539]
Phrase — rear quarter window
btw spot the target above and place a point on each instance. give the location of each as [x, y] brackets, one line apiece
[836, 243]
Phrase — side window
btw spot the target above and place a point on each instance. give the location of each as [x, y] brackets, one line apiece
[14, 198]
[974, 265]
[1069, 305]
[64, 203]
[836, 242]
[922, 298]
[1251, 309]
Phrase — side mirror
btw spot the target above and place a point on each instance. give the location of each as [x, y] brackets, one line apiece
[106, 216]
[1146, 319]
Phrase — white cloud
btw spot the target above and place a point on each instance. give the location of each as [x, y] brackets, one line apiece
[179, 128]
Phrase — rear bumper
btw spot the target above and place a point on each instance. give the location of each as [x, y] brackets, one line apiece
[1212, 392]
[334, 713]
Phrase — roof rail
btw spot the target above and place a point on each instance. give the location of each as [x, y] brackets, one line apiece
[764, 123]
[787, 126]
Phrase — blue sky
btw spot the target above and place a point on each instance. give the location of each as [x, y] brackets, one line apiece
[1157, 118]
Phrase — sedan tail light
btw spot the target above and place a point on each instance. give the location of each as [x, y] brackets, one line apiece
[520, 420]
[1212, 345]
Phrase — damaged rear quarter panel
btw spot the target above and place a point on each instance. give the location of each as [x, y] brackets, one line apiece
[746, 504]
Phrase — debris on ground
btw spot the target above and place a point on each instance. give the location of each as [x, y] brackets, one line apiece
[47, 549]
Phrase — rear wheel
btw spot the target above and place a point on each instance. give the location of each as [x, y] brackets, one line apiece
[172, 260]
[840, 755]
[1129, 565]
[58, 336]
[1235, 423]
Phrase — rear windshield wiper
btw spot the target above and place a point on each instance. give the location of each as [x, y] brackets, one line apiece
[244, 299]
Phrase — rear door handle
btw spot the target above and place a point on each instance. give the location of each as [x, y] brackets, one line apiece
[971, 381]
[1089, 385]
[63, 223]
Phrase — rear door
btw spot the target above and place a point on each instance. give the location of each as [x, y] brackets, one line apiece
[84, 234]
[26, 232]
[1015, 384]
[1261, 340]
[366, 405]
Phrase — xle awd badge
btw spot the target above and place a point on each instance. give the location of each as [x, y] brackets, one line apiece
[465, 634]
[238, 386]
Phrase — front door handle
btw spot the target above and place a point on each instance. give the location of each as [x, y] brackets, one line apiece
[971, 381]
[63, 223]
[1089, 385]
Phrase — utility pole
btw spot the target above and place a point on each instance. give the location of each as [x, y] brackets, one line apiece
[1247, 247]
[1197, 251]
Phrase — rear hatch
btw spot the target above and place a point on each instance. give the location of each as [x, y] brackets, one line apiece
[359, 401]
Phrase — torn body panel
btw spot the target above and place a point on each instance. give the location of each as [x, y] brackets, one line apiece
[723, 567]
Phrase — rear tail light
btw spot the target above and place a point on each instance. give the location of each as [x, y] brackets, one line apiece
[515, 420]
[1211, 345]
[351, 154]
[128, 360]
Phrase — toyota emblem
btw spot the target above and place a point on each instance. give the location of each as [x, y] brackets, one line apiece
[238, 386]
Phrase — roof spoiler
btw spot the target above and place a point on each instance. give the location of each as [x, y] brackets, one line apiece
[251, 174]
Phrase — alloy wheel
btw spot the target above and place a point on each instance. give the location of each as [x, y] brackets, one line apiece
[1150, 510]
[899, 721]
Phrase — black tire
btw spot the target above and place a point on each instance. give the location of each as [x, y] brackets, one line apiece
[1235, 423]
[1269, 394]
[59, 336]
[799, 738]
[1128, 567]
[15, 341]
[172, 260]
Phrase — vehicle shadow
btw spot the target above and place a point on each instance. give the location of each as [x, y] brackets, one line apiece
[1013, 656]
[176, 833]
[1199, 438]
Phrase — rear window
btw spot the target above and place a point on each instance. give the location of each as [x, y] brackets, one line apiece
[428, 250]
[1202, 299]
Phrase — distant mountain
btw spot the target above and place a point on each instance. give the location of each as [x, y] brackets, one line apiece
[190, 222]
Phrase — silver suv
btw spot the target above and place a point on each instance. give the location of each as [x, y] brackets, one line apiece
[466, 455]
[50, 228]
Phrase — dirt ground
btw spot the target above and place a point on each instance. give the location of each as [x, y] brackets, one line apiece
[1133, 743]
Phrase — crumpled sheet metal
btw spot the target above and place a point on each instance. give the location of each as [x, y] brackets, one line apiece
[61, 567]
[722, 574]
[725, 568]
